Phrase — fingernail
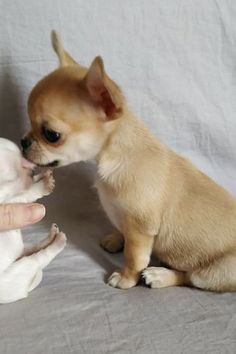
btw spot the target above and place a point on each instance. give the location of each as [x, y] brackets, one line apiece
[35, 212]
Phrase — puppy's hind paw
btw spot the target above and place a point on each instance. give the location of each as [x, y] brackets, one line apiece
[53, 232]
[112, 243]
[60, 240]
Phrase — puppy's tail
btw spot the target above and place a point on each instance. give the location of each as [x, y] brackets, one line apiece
[64, 58]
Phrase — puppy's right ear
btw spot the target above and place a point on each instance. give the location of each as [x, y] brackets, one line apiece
[64, 58]
[103, 90]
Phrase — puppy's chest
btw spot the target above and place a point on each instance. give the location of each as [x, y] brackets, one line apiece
[110, 205]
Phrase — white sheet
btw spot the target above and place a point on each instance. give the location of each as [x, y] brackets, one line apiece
[176, 61]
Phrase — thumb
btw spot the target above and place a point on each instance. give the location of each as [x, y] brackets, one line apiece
[16, 216]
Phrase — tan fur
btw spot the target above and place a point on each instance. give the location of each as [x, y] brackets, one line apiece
[157, 200]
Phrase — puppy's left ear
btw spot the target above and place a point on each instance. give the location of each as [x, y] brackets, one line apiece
[103, 90]
[64, 58]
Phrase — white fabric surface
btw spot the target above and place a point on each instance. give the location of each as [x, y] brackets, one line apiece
[176, 61]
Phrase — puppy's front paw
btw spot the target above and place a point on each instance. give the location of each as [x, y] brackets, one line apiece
[117, 280]
[48, 182]
[160, 277]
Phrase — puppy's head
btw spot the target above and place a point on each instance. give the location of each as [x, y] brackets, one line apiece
[15, 172]
[73, 111]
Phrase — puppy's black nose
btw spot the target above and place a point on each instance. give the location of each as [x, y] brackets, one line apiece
[25, 143]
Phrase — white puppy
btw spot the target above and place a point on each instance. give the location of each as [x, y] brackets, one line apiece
[21, 268]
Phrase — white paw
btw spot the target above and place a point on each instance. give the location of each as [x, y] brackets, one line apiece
[60, 240]
[53, 232]
[45, 181]
[117, 280]
[51, 237]
[158, 277]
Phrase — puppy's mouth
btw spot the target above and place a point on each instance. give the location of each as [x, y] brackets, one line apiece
[54, 163]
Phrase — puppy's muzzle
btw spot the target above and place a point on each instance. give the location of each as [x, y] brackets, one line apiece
[26, 143]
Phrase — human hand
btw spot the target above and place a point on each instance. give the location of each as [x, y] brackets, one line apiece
[18, 215]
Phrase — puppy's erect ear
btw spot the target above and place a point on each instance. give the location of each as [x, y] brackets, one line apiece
[64, 58]
[103, 90]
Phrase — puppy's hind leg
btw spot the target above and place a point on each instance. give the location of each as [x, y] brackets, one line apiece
[42, 244]
[16, 279]
[219, 276]
[26, 273]
[113, 242]
[46, 255]
[36, 280]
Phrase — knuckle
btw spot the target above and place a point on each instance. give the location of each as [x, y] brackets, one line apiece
[7, 215]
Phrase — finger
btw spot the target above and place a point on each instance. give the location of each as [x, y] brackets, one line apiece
[17, 216]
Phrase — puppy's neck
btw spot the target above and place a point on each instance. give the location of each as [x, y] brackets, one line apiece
[125, 145]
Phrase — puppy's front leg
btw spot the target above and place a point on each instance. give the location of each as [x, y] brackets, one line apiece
[30, 249]
[42, 185]
[137, 252]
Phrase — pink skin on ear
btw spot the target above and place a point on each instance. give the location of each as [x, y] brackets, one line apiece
[108, 105]
[96, 85]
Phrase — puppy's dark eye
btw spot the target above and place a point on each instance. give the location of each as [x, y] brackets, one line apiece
[50, 135]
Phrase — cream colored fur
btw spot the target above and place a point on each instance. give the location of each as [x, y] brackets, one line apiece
[157, 200]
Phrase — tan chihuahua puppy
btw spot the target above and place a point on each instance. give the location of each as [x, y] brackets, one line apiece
[157, 200]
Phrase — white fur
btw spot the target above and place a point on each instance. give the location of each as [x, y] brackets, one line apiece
[21, 268]
[112, 210]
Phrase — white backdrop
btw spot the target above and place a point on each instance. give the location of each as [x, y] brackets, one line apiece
[175, 60]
